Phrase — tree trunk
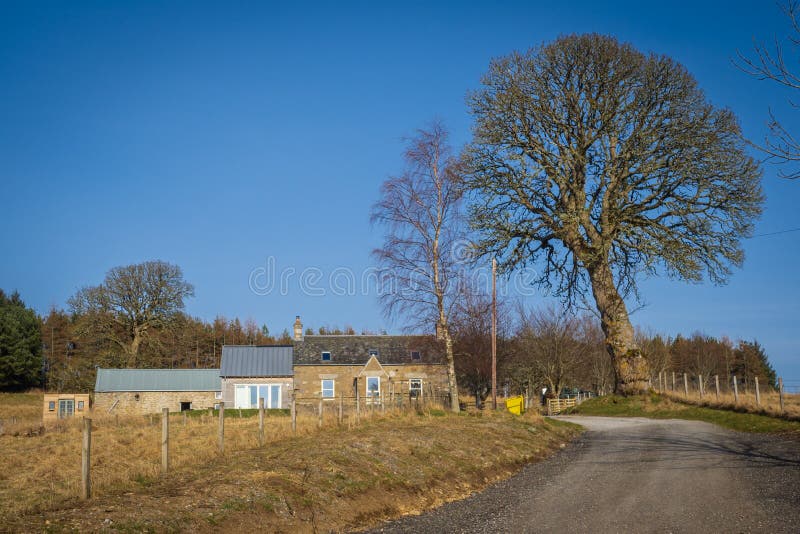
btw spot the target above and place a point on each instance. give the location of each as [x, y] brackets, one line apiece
[451, 370]
[631, 368]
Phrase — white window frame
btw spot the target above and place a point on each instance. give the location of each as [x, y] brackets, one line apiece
[412, 389]
[322, 356]
[373, 399]
[217, 395]
[267, 400]
[374, 352]
[323, 389]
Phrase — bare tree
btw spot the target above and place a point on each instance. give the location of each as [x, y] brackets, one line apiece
[421, 212]
[597, 163]
[770, 63]
[549, 339]
[132, 301]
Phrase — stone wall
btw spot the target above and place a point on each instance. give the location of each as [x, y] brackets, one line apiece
[144, 402]
[393, 378]
[229, 388]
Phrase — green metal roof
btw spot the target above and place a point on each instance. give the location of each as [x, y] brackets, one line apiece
[109, 380]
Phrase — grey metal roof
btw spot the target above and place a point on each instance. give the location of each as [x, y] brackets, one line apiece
[249, 360]
[157, 380]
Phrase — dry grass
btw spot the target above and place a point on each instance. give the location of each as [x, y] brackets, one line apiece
[20, 411]
[770, 402]
[336, 477]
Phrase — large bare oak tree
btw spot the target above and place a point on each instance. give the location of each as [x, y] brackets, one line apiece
[596, 163]
[132, 301]
[421, 213]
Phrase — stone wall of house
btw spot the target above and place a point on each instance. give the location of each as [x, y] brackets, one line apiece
[145, 402]
[393, 379]
[229, 388]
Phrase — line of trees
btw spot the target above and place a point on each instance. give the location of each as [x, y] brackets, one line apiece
[554, 349]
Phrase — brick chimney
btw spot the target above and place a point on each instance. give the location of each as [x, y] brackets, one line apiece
[298, 329]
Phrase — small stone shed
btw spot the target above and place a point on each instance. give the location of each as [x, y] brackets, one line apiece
[144, 391]
[64, 405]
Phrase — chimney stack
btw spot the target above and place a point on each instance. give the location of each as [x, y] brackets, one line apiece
[298, 329]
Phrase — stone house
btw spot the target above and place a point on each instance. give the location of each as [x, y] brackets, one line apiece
[251, 372]
[143, 391]
[372, 367]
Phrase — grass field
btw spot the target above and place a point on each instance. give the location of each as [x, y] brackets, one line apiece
[663, 407]
[337, 477]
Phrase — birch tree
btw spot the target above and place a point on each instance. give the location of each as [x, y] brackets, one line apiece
[420, 211]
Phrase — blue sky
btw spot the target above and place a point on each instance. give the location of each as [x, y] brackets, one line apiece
[218, 136]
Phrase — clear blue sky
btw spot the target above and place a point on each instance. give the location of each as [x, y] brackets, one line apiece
[216, 136]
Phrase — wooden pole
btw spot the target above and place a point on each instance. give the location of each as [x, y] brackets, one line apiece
[673, 382]
[700, 384]
[494, 334]
[320, 410]
[164, 440]
[685, 386]
[358, 402]
[86, 459]
[758, 394]
[294, 413]
[261, 421]
[780, 391]
[735, 391]
[221, 435]
[716, 384]
[341, 407]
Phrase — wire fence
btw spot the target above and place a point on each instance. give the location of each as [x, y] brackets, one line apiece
[748, 393]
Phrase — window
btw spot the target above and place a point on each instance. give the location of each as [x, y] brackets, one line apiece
[373, 352]
[326, 356]
[247, 395]
[217, 395]
[415, 355]
[51, 406]
[327, 389]
[80, 406]
[185, 406]
[373, 390]
[415, 388]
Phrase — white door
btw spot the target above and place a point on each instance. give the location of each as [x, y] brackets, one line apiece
[373, 389]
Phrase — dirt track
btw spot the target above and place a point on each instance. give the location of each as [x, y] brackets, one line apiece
[639, 475]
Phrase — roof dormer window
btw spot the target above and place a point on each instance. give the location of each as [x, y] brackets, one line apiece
[326, 356]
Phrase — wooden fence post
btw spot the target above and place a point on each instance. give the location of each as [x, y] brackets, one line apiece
[261, 421]
[780, 391]
[341, 407]
[164, 440]
[86, 459]
[758, 393]
[221, 436]
[294, 413]
[700, 384]
[685, 386]
[358, 405]
[716, 384]
[735, 391]
[673, 382]
[320, 409]
[185, 418]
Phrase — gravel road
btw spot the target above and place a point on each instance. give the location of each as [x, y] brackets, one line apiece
[638, 475]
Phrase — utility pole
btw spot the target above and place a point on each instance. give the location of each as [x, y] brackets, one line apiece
[494, 334]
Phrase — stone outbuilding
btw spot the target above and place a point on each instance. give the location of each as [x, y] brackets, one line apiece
[64, 405]
[251, 372]
[144, 391]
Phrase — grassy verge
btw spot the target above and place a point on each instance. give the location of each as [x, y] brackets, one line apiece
[335, 478]
[659, 407]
